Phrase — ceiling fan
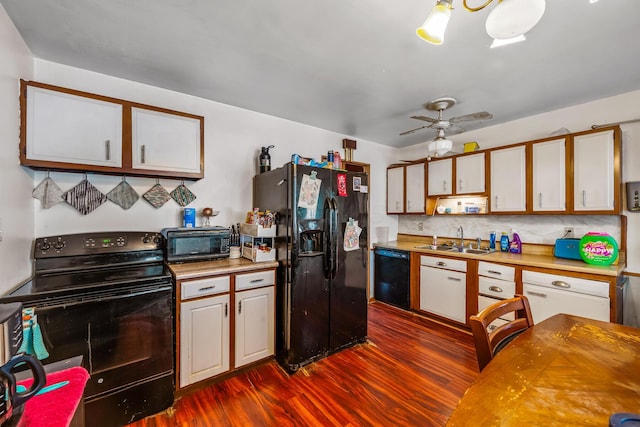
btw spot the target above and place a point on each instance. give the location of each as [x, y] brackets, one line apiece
[440, 145]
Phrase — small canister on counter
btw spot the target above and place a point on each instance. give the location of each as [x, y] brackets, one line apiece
[189, 218]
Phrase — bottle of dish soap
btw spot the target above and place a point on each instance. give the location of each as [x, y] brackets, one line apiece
[504, 242]
[516, 244]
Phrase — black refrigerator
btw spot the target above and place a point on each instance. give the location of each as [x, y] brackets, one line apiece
[321, 244]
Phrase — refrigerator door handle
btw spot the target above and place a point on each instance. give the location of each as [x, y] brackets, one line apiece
[328, 218]
[334, 238]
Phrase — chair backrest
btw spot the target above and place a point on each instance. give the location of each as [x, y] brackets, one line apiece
[489, 342]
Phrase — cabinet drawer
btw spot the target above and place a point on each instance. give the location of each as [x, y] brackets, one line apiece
[255, 280]
[448, 263]
[498, 271]
[565, 283]
[203, 287]
[496, 288]
[484, 302]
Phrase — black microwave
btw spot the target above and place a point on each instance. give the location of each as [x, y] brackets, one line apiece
[196, 244]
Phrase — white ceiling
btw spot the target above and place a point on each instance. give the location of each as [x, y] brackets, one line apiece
[354, 67]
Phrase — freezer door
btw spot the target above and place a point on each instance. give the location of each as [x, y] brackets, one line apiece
[348, 304]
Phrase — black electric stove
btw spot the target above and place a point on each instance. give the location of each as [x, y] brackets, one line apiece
[108, 297]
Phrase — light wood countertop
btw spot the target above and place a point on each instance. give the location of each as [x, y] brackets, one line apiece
[412, 243]
[189, 270]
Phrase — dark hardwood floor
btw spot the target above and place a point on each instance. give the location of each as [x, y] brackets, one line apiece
[412, 372]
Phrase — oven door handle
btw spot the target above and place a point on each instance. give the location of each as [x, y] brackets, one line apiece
[84, 299]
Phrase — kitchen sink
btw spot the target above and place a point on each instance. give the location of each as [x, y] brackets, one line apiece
[447, 248]
[436, 247]
[476, 251]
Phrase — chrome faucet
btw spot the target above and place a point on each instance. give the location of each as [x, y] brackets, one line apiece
[478, 242]
[461, 232]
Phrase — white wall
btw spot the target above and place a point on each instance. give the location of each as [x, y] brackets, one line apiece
[233, 138]
[16, 183]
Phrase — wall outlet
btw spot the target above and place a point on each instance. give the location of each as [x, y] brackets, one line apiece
[420, 226]
[568, 232]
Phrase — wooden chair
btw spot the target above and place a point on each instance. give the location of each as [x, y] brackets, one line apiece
[490, 342]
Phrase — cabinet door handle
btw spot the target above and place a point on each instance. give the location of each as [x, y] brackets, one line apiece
[537, 294]
[441, 263]
[206, 288]
[239, 307]
[496, 203]
[540, 200]
[561, 284]
[444, 186]
[457, 279]
[107, 146]
[495, 288]
[584, 198]
[460, 183]
[499, 273]
[226, 309]
[257, 280]
[142, 152]
[397, 205]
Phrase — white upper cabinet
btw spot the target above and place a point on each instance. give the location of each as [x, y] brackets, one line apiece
[470, 174]
[66, 128]
[167, 142]
[549, 175]
[593, 172]
[69, 130]
[508, 180]
[439, 179]
[395, 190]
[415, 188]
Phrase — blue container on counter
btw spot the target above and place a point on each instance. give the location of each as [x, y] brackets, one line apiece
[189, 220]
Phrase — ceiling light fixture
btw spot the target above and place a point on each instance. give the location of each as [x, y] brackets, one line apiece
[440, 145]
[507, 22]
[433, 28]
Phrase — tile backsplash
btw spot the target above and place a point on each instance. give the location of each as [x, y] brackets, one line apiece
[541, 229]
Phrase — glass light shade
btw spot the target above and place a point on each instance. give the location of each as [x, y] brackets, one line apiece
[512, 18]
[433, 28]
[440, 146]
[504, 42]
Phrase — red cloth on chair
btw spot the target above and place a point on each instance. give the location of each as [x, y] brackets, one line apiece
[56, 407]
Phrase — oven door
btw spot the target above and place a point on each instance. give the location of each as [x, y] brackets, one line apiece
[124, 336]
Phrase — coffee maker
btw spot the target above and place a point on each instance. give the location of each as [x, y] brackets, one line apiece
[11, 336]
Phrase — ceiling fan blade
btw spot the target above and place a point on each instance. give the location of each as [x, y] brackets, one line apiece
[454, 130]
[482, 115]
[407, 132]
[424, 119]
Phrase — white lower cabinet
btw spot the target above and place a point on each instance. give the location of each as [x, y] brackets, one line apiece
[551, 294]
[443, 291]
[204, 338]
[255, 329]
[209, 328]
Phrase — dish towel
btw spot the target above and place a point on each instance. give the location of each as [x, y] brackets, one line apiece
[55, 408]
[123, 195]
[48, 193]
[32, 342]
[84, 197]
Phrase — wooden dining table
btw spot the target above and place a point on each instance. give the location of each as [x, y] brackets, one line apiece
[564, 371]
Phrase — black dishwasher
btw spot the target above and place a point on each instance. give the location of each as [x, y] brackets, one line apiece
[391, 277]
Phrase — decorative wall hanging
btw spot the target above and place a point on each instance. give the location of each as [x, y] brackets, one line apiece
[84, 197]
[48, 193]
[123, 195]
[183, 195]
[157, 196]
